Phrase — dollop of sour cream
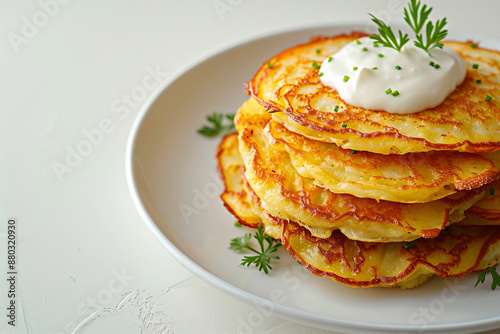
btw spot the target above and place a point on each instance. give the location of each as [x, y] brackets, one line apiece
[371, 76]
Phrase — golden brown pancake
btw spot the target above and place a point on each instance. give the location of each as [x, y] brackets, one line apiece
[408, 178]
[487, 210]
[230, 166]
[238, 197]
[341, 190]
[465, 121]
[455, 252]
[284, 193]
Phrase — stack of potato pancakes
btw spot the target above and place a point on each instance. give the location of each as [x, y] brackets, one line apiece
[368, 198]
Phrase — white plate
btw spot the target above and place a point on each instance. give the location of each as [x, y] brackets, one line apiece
[172, 177]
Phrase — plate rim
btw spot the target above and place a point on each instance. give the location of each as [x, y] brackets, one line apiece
[282, 311]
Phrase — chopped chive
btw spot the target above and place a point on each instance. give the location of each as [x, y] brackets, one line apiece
[344, 125]
[355, 68]
[316, 66]
[395, 93]
[375, 68]
[409, 244]
[388, 91]
[437, 66]
[270, 65]
[358, 42]
[353, 151]
[321, 74]
[330, 59]
[336, 109]
[375, 44]
[346, 78]
[492, 191]
[488, 98]
[398, 67]
[475, 66]
[473, 45]
[237, 224]
[381, 55]
[478, 81]
[365, 49]
[318, 50]
[432, 63]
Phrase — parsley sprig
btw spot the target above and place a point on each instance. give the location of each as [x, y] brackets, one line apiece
[494, 275]
[387, 37]
[263, 257]
[217, 125]
[416, 17]
[433, 36]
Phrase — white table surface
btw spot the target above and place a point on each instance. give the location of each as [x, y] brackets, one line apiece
[86, 262]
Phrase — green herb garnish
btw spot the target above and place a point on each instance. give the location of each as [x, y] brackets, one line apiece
[478, 81]
[346, 78]
[416, 17]
[336, 109]
[395, 93]
[433, 33]
[388, 91]
[494, 275]
[488, 98]
[270, 65]
[237, 224]
[318, 50]
[387, 37]
[365, 49]
[355, 68]
[264, 256]
[344, 125]
[330, 59]
[475, 66]
[321, 74]
[409, 244]
[434, 65]
[358, 42]
[217, 127]
[492, 191]
[353, 151]
[316, 66]
[398, 67]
